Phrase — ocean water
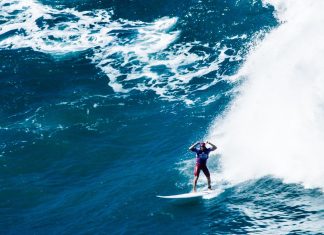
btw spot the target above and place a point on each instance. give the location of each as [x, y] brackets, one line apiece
[100, 101]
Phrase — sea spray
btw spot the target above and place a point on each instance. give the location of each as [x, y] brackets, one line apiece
[275, 125]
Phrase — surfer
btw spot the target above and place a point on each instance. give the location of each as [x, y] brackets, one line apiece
[201, 161]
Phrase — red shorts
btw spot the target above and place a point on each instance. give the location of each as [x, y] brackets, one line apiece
[202, 167]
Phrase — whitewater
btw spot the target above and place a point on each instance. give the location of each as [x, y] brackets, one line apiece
[275, 124]
[132, 54]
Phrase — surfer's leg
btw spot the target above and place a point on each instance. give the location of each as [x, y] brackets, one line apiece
[196, 173]
[195, 184]
[207, 174]
[209, 182]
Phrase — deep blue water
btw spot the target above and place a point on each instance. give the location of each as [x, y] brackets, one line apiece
[92, 129]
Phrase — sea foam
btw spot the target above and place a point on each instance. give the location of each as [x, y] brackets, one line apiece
[134, 55]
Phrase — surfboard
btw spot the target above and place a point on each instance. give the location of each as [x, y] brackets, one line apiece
[188, 195]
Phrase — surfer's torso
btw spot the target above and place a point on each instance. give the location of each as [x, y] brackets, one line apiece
[202, 155]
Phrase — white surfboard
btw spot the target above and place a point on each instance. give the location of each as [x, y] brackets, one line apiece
[189, 195]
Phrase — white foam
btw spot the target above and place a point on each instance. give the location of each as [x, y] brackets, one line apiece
[275, 126]
[130, 62]
[64, 37]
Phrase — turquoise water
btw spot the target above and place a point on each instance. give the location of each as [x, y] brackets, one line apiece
[100, 102]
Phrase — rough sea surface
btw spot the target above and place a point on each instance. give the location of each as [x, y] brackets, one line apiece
[100, 100]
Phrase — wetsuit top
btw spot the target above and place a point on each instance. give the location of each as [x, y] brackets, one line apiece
[201, 156]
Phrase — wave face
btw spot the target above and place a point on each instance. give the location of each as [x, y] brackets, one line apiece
[275, 124]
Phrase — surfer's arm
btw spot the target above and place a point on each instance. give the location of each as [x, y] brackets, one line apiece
[193, 147]
[213, 146]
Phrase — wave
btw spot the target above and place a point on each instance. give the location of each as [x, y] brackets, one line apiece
[275, 125]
